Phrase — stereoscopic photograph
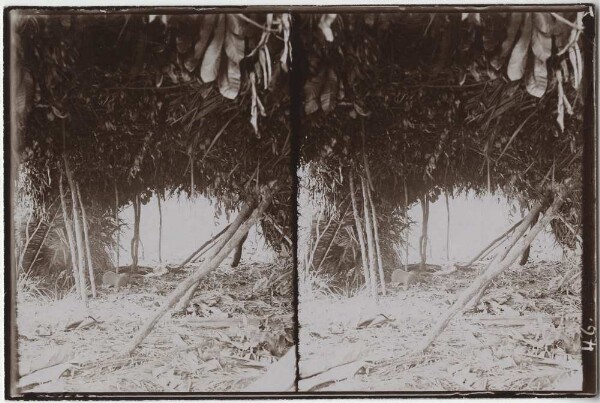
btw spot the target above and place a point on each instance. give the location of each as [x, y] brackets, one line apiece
[152, 209]
[300, 201]
[440, 200]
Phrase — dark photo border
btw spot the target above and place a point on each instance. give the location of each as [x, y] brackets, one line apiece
[590, 195]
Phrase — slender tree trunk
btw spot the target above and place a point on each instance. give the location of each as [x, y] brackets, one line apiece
[88, 249]
[27, 237]
[370, 241]
[201, 272]
[137, 227]
[375, 226]
[118, 245]
[368, 224]
[159, 229]
[78, 233]
[423, 238]
[69, 231]
[191, 175]
[447, 227]
[135, 240]
[361, 237]
[407, 226]
[497, 266]
[378, 248]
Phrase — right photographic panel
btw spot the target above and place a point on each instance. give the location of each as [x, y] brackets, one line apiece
[443, 174]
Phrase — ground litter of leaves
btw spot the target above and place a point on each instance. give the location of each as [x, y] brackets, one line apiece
[239, 321]
[521, 336]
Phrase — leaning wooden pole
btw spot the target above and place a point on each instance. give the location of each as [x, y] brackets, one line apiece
[204, 245]
[88, 249]
[228, 232]
[361, 236]
[78, 232]
[495, 269]
[489, 246]
[245, 212]
[69, 231]
[525, 256]
[519, 231]
[202, 271]
[208, 245]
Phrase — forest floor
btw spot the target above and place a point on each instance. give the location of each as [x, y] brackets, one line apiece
[521, 336]
[239, 322]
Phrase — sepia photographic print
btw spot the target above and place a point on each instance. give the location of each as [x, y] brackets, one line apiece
[440, 201]
[152, 202]
[300, 202]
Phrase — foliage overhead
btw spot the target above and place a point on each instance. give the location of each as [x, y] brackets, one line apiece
[145, 103]
[199, 103]
[444, 102]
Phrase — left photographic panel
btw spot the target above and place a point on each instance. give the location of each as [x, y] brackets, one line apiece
[150, 207]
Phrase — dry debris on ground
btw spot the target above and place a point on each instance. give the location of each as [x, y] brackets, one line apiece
[523, 335]
[239, 322]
